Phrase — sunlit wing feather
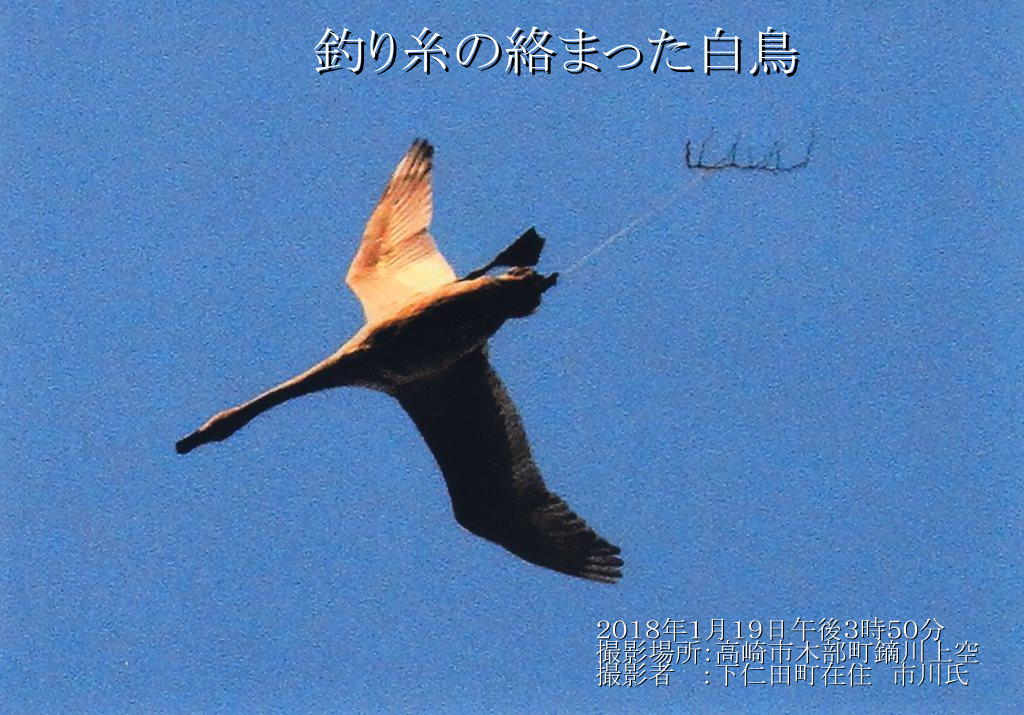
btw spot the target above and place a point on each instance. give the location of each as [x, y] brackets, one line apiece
[475, 433]
[397, 258]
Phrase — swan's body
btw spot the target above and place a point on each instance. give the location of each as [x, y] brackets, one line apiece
[425, 343]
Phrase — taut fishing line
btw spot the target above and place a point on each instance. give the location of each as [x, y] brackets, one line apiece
[634, 223]
[771, 163]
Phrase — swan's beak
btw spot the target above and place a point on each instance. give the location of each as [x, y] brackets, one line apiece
[188, 443]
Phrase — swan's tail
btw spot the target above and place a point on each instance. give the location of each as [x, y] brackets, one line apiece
[524, 252]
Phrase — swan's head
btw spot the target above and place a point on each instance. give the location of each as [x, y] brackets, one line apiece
[521, 289]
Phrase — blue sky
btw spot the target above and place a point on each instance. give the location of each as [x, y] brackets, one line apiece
[785, 396]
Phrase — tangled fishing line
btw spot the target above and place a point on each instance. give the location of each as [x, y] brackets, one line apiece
[695, 160]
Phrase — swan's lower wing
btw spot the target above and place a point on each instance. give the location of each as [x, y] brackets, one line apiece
[475, 433]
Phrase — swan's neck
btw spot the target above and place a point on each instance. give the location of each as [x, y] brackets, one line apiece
[339, 369]
[330, 372]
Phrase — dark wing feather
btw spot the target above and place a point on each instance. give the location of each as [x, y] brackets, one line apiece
[471, 426]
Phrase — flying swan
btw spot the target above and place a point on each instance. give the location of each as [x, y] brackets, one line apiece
[425, 343]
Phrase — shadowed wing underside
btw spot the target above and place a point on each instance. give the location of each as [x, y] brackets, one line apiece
[397, 258]
[475, 433]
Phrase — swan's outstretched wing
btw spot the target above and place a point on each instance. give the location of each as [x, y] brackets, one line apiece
[474, 431]
[397, 258]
